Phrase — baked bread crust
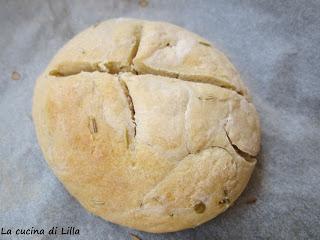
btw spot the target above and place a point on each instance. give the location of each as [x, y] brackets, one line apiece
[146, 124]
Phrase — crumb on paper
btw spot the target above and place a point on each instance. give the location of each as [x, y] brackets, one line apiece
[134, 237]
[251, 200]
[143, 3]
[15, 75]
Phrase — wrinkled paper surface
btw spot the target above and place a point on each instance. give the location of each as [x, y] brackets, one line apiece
[275, 46]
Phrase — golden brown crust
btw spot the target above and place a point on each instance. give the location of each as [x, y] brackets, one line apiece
[164, 150]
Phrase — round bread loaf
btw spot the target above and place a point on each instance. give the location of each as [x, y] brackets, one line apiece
[146, 124]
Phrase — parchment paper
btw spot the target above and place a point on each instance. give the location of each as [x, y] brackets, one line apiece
[274, 44]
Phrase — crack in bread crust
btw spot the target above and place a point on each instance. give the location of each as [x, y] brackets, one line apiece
[180, 77]
[241, 154]
[56, 73]
[137, 35]
[244, 155]
[126, 92]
